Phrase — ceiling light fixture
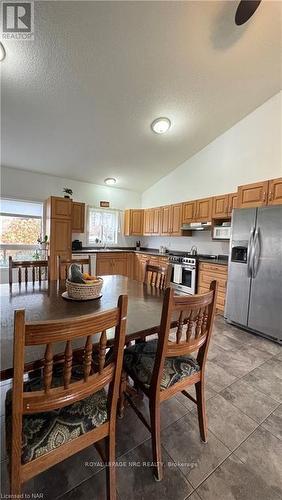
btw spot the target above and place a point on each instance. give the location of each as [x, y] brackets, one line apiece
[2, 52]
[110, 181]
[161, 125]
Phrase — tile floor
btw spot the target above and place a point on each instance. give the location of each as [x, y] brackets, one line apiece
[241, 461]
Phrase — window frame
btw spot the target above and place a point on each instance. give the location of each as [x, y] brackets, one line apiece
[116, 212]
[6, 247]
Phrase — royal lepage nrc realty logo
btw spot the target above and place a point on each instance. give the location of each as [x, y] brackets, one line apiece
[17, 20]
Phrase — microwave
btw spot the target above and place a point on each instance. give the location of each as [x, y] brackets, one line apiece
[222, 232]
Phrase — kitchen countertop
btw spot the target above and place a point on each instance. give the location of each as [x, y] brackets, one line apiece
[220, 259]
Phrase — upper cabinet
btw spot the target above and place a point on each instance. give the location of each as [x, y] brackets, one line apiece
[59, 208]
[203, 210]
[152, 221]
[260, 194]
[223, 205]
[166, 220]
[78, 217]
[176, 219]
[275, 192]
[133, 222]
[188, 211]
[232, 202]
[197, 210]
[171, 220]
[253, 195]
[157, 219]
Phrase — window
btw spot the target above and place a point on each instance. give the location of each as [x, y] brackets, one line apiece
[103, 226]
[20, 227]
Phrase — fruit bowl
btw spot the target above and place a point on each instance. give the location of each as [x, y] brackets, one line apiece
[91, 289]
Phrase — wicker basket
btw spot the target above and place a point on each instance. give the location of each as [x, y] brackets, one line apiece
[81, 291]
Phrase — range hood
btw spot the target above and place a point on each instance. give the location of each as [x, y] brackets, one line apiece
[196, 226]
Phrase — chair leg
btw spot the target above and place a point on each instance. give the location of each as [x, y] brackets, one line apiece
[15, 483]
[201, 405]
[122, 389]
[156, 439]
[111, 468]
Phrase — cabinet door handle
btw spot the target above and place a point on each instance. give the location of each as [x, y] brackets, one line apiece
[270, 196]
[264, 196]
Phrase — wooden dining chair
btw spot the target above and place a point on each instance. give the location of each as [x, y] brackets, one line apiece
[23, 267]
[67, 410]
[162, 367]
[157, 276]
[64, 265]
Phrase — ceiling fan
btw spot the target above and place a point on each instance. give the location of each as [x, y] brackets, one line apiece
[245, 10]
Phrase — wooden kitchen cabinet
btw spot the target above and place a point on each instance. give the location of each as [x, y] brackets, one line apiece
[152, 221]
[133, 222]
[112, 263]
[59, 208]
[172, 220]
[78, 217]
[148, 221]
[206, 274]
[59, 231]
[253, 195]
[223, 205]
[176, 219]
[166, 221]
[203, 210]
[60, 244]
[275, 192]
[220, 206]
[232, 202]
[156, 221]
[188, 212]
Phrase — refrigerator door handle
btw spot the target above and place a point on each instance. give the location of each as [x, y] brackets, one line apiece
[256, 253]
[250, 253]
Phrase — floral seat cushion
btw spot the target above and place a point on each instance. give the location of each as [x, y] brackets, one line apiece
[46, 431]
[139, 361]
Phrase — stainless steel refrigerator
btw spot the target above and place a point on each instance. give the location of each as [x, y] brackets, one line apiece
[254, 288]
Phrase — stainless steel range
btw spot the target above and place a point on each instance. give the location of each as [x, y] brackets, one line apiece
[184, 270]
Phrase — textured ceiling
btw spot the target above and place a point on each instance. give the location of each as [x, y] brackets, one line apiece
[77, 102]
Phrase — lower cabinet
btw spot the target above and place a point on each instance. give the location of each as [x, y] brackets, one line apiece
[140, 264]
[113, 263]
[209, 272]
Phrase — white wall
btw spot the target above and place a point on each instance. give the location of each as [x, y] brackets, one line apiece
[248, 152]
[202, 240]
[26, 185]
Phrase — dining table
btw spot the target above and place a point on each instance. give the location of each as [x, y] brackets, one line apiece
[44, 302]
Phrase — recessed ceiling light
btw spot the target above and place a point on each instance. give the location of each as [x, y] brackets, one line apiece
[161, 125]
[110, 181]
[2, 52]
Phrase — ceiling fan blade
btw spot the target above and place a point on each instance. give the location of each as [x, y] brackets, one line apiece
[245, 10]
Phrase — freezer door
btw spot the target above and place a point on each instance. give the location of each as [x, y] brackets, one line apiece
[239, 273]
[265, 311]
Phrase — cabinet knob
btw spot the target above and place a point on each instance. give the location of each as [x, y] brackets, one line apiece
[270, 196]
[264, 196]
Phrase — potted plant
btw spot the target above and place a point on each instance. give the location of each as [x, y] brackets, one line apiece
[68, 192]
[43, 242]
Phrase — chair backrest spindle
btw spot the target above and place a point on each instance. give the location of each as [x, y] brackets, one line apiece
[23, 267]
[157, 276]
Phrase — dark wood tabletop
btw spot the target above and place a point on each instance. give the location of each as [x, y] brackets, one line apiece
[45, 302]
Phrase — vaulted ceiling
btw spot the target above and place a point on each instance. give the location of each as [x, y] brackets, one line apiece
[78, 101]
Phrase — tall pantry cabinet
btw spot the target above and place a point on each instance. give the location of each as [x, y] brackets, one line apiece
[59, 231]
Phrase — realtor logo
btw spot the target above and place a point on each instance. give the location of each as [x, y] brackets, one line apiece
[17, 20]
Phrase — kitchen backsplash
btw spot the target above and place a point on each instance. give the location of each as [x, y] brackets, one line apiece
[201, 239]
